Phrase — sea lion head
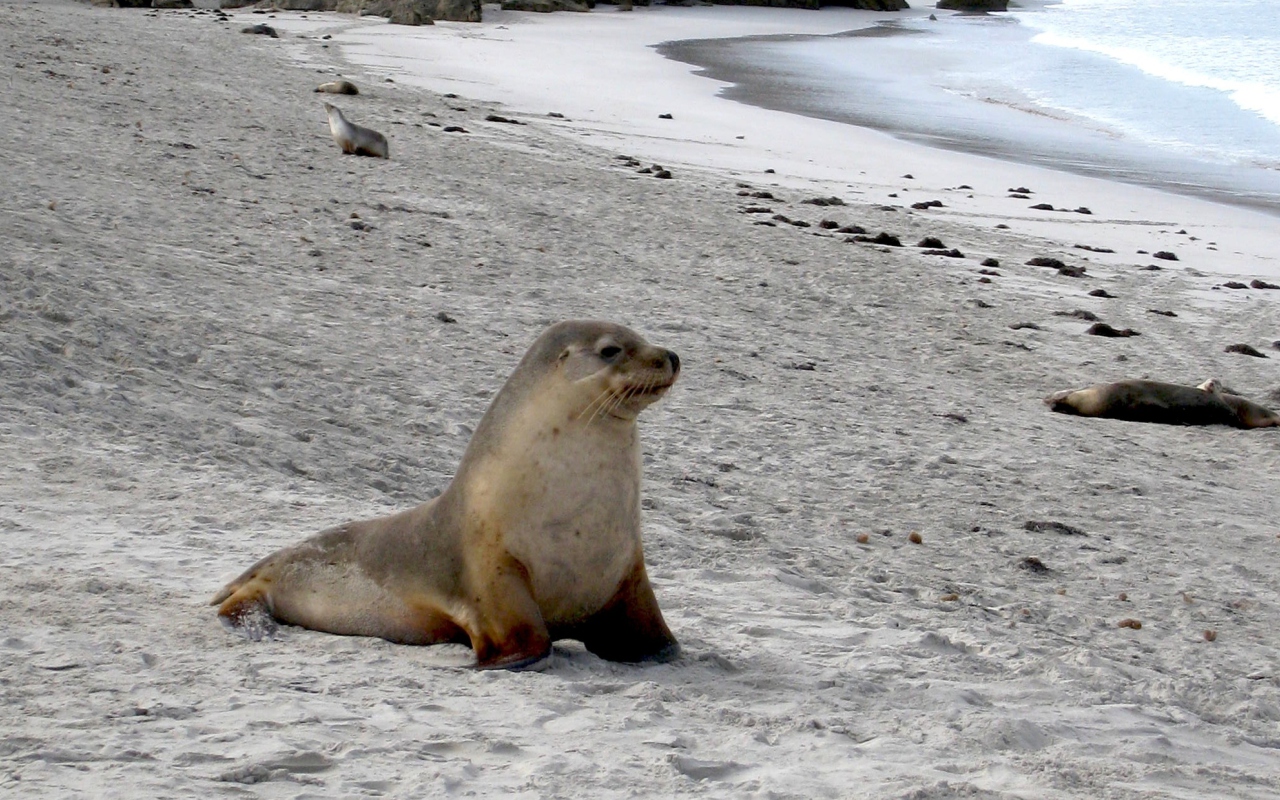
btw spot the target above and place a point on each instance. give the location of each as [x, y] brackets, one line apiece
[607, 370]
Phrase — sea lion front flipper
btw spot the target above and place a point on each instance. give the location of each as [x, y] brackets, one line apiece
[511, 633]
[630, 627]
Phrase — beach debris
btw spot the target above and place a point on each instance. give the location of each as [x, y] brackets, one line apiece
[262, 29]
[1072, 272]
[980, 303]
[1129, 623]
[799, 223]
[1164, 255]
[1052, 526]
[1033, 564]
[952, 253]
[1083, 210]
[862, 538]
[1151, 268]
[756, 210]
[955, 416]
[989, 272]
[883, 237]
[1245, 350]
[1020, 190]
[446, 317]
[1092, 249]
[1210, 635]
[1257, 284]
[555, 115]
[499, 118]
[1018, 326]
[1101, 293]
[455, 129]
[1042, 207]
[1103, 329]
[1161, 313]
[1079, 313]
[1045, 261]
[765, 222]
[338, 87]
[914, 538]
[851, 229]
[665, 116]
[923, 204]
[1234, 285]
[930, 241]
[1123, 597]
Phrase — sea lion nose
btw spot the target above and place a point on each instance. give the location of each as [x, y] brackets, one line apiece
[675, 361]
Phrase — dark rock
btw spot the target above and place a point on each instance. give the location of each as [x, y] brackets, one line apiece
[1257, 284]
[1234, 285]
[1045, 261]
[829, 224]
[171, 4]
[763, 195]
[1101, 293]
[952, 253]
[445, 317]
[665, 116]
[665, 174]
[988, 271]
[1079, 313]
[1042, 207]
[497, 118]
[990, 262]
[1161, 313]
[1033, 564]
[1018, 326]
[1072, 272]
[1103, 329]
[927, 204]
[930, 241]
[1150, 268]
[886, 239]
[1093, 249]
[264, 30]
[851, 229]
[1083, 210]
[823, 201]
[1164, 255]
[1244, 350]
[757, 210]
[455, 129]
[1021, 190]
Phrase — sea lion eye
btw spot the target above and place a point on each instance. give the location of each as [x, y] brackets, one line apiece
[610, 353]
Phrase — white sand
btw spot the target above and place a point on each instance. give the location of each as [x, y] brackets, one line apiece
[202, 361]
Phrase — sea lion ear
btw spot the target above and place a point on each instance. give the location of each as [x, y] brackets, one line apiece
[564, 354]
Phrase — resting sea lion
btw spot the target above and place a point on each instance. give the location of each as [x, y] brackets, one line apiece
[537, 538]
[354, 139]
[1168, 403]
[338, 87]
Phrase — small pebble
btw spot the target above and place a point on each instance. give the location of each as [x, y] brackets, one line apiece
[1210, 635]
[1130, 623]
[914, 538]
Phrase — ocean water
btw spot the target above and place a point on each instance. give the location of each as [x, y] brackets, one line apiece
[1179, 94]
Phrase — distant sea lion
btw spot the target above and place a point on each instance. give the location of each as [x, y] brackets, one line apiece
[536, 539]
[1167, 403]
[354, 139]
[338, 87]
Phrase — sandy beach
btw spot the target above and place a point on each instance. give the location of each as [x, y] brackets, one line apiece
[219, 335]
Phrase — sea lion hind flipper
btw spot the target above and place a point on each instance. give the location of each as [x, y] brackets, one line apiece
[246, 613]
[630, 627]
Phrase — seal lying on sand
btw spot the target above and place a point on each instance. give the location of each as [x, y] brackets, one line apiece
[1168, 403]
[354, 139]
[338, 87]
[537, 538]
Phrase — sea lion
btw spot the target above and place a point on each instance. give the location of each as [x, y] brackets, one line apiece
[338, 87]
[354, 139]
[1167, 403]
[537, 537]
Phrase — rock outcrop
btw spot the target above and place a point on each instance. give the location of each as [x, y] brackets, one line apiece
[973, 5]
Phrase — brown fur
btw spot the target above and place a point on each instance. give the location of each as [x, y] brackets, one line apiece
[536, 539]
[1167, 403]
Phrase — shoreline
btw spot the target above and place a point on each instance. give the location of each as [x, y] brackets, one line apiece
[779, 86]
[521, 61]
